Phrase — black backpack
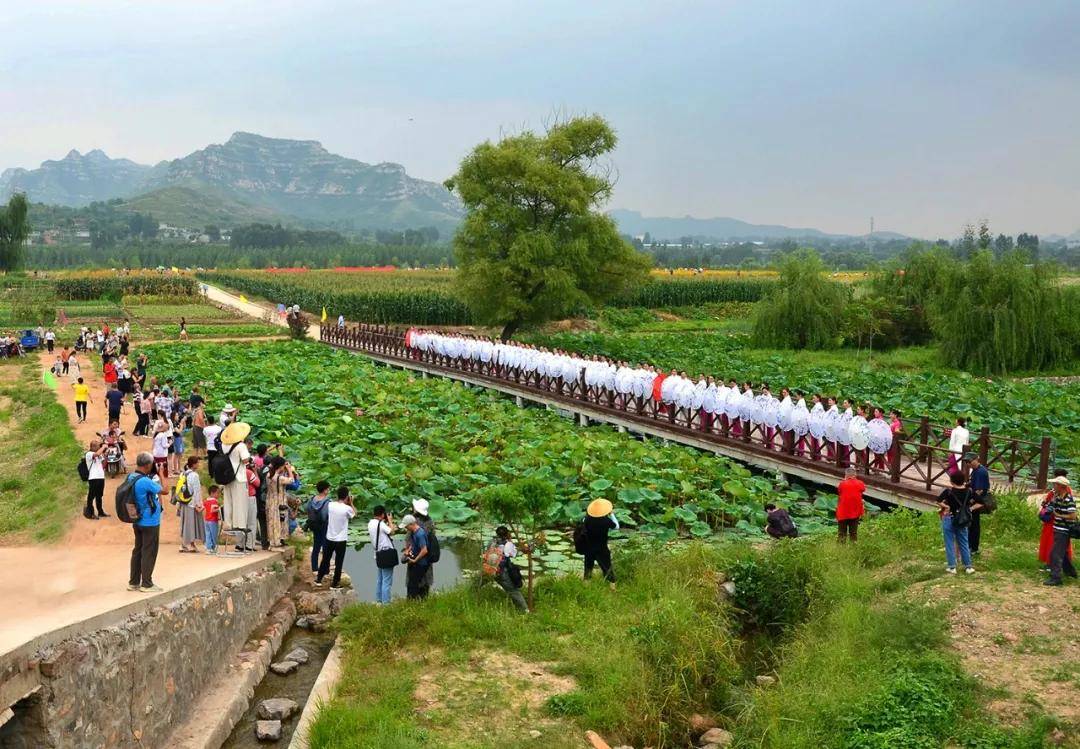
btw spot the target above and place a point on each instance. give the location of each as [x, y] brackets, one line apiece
[221, 467]
[126, 509]
[581, 537]
[433, 550]
[83, 469]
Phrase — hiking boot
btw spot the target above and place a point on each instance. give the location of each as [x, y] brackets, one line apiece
[151, 588]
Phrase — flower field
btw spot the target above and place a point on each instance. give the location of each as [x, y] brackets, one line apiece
[426, 297]
[436, 439]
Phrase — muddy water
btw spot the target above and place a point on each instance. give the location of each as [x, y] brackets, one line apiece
[295, 686]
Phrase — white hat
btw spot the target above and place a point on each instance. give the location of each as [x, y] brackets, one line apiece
[1060, 480]
[408, 520]
[420, 505]
[229, 408]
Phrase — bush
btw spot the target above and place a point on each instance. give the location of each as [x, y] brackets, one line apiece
[1004, 315]
[805, 309]
[774, 590]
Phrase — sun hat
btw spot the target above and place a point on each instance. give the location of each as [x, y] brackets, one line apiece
[1060, 480]
[235, 432]
[408, 520]
[229, 408]
[599, 508]
[421, 506]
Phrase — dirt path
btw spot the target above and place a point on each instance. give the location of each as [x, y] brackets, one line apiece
[263, 312]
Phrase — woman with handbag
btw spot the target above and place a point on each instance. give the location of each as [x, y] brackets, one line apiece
[380, 528]
[955, 506]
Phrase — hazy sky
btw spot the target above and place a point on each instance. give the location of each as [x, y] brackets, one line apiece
[817, 113]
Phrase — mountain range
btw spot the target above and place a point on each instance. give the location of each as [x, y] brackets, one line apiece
[248, 178]
[663, 227]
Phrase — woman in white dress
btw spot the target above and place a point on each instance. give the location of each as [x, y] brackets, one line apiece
[236, 491]
[800, 423]
[859, 436]
[843, 433]
[881, 438]
[731, 410]
[817, 427]
[746, 406]
[959, 439]
[832, 427]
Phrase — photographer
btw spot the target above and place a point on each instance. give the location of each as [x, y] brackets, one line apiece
[339, 513]
[280, 476]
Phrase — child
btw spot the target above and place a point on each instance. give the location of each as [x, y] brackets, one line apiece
[211, 517]
[58, 367]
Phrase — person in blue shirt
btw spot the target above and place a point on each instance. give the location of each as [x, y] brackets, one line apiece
[979, 483]
[416, 558]
[147, 527]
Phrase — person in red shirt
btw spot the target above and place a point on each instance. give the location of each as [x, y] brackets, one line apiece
[109, 372]
[657, 383]
[211, 517]
[849, 508]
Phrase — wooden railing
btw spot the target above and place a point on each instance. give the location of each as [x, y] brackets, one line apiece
[918, 460]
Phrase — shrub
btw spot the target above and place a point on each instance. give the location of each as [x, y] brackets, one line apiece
[805, 309]
[774, 590]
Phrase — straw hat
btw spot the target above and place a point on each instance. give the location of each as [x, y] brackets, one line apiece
[1060, 480]
[599, 508]
[235, 432]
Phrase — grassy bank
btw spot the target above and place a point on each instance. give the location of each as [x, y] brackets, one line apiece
[860, 642]
[39, 489]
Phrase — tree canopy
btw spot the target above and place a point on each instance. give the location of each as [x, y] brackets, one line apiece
[534, 245]
[14, 228]
[805, 310]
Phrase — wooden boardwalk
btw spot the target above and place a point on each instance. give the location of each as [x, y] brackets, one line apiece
[911, 476]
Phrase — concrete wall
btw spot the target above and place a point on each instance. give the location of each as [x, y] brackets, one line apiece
[128, 685]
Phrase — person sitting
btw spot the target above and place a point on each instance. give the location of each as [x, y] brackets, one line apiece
[778, 522]
[112, 437]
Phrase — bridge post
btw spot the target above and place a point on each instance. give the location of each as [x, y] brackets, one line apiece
[984, 445]
[1044, 464]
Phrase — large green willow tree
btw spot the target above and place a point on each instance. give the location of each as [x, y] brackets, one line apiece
[534, 245]
[14, 228]
[806, 309]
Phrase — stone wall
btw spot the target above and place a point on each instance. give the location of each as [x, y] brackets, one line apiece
[129, 685]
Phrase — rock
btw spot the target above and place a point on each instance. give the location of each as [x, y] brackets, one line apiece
[297, 654]
[277, 708]
[534, 734]
[311, 623]
[311, 603]
[728, 588]
[714, 738]
[699, 723]
[268, 730]
[765, 681]
[284, 668]
[346, 581]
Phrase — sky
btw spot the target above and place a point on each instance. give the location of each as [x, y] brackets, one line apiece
[926, 115]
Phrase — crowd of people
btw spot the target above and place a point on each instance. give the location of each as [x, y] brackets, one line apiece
[254, 493]
[816, 426]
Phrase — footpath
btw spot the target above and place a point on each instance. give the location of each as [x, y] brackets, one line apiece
[84, 577]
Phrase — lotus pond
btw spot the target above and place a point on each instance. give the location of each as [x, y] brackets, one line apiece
[392, 436]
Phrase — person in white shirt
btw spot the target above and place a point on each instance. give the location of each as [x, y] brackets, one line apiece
[958, 441]
[505, 577]
[95, 489]
[379, 529]
[339, 513]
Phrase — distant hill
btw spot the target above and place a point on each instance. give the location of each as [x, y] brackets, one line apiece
[77, 179]
[723, 229]
[199, 207]
[248, 178]
[302, 179]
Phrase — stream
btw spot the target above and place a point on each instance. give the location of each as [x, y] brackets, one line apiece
[296, 686]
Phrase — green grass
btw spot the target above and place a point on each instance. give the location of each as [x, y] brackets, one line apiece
[855, 636]
[39, 489]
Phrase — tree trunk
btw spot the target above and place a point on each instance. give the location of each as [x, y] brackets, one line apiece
[509, 329]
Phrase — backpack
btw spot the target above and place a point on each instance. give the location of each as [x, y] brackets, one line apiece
[989, 504]
[83, 469]
[221, 467]
[581, 537]
[315, 519]
[181, 492]
[434, 552]
[491, 560]
[126, 509]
